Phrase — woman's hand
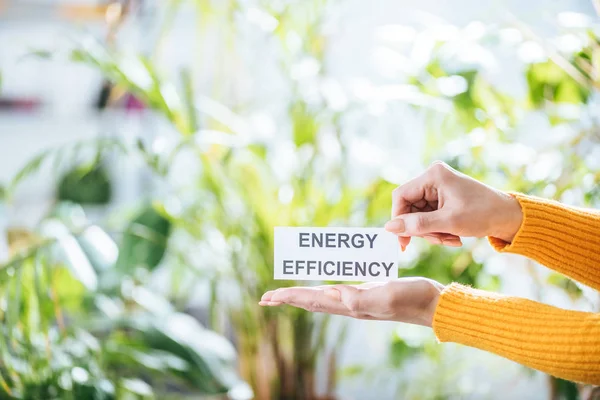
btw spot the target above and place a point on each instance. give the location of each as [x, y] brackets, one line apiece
[442, 205]
[411, 300]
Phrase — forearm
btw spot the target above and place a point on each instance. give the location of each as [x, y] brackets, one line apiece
[566, 239]
[562, 343]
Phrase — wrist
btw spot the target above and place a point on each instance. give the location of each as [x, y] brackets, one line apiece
[428, 313]
[508, 218]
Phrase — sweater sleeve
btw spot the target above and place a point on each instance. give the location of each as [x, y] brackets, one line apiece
[559, 342]
[566, 239]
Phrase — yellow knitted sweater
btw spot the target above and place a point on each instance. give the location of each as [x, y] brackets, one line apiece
[560, 342]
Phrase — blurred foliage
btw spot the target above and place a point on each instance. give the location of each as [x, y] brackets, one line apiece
[64, 336]
[216, 229]
[86, 186]
[68, 156]
[144, 241]
[549, 82]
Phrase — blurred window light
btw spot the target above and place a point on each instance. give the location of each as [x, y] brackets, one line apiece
[547, 166]
[334, 94]
[531, 52]
[452, 85]
[444, 32]
[263, 125]
[329, 145]
[513, 155]
[293, 42]
[306, 68]
[160, 144]
[571, 19]
[285, 194]
[79, 375]
[475, 30]
[549, 191]
[422, 50]
[395, 33]
[471, 54]
[510, 36]
[592, 160]
[589, 180]
[135, 70]
[216, 241]
[570, 43]
[173, 206]
[262, 19]
[566, 111]
[389, 63]
[365, 152]
[478, 137]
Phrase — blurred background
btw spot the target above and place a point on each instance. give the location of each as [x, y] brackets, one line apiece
[149, 147]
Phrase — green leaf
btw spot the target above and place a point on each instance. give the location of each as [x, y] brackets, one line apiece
[400, 351]
[565, 390]
[145, 241]
[568, 285]
[351, 371]
[70, 290]
[73, 151]
[201, 358]
[189, 100]
[305, 125]
[548, 82]
[85, 185]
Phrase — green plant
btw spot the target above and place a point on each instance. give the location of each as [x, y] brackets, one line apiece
[237, 198]
[85, 186]
[70, 332]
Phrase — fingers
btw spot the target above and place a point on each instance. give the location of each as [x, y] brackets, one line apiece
[421, 191]
[265, 300]
[312, 299]
[349, 300]
[432, 226]
[362, 300]
[416, 209]
[414, 191]
[419, 223]
[445, 239]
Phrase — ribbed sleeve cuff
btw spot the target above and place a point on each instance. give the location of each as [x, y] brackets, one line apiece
[559, 342]
[566, 239]
[456, 307]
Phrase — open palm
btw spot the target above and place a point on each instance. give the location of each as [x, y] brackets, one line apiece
[411, 300]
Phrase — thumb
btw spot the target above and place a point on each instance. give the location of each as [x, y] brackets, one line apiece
[420, 223]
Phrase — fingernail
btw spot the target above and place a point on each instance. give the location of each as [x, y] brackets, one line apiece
[403, 247]
[267, 295]
[273, 303]
[395, 225]
[333, 293]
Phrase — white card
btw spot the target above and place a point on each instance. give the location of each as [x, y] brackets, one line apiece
[335, 254]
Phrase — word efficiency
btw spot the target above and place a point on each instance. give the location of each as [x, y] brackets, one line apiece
[343, 254]
[345, 268]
